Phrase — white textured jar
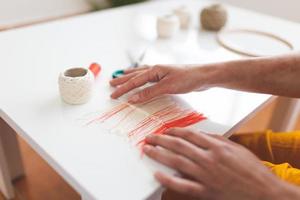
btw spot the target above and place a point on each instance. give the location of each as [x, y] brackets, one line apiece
[75, 85]
[167, 26]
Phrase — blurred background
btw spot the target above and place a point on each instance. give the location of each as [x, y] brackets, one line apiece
[15, 13]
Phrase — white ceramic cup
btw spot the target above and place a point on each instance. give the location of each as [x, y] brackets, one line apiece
[184, 16]
[167, 26]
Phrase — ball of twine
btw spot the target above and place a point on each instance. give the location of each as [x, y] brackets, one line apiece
[213, 17]
[75, 85]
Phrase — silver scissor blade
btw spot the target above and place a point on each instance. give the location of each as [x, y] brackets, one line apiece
[130, 57]
[136, 62]
[142, 56]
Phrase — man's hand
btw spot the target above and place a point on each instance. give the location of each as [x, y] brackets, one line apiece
[278, 75]
[166, 79]
[212, 167]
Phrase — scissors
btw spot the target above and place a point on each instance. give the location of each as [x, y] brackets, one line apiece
[134, 63]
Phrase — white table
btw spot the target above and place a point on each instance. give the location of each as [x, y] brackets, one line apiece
[32, 57]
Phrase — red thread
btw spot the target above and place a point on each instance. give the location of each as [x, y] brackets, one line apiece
[188, 120]
[171, 116]
[109, 114]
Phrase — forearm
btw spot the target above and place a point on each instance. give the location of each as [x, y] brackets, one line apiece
[272, 75]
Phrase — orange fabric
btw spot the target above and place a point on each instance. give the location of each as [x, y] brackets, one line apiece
[285, 171]
[282, 149]
[276, 148]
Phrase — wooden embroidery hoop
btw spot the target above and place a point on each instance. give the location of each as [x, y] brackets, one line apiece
[224, 44]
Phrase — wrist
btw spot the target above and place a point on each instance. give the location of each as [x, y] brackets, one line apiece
[289, 192]
[213, 75]
[283, 191]
[230, 74]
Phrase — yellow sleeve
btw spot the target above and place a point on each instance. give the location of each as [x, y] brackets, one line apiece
[272, 147]
[285, 171]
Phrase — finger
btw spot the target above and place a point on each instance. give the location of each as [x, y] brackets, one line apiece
[135, 82]
[148, 93]
[180, 185]
[172, 160]
[179, 146]
[131, 70]
[201, 140]
[122, 79]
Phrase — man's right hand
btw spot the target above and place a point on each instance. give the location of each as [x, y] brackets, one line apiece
[214, 168]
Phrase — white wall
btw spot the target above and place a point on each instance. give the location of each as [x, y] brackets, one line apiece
[14, 12]
[288, 9]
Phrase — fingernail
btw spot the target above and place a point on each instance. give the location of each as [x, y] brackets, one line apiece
[147, 148]
[135, 98]
[149, 138]
[169, 130]
[113, 96]
[111, 82]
